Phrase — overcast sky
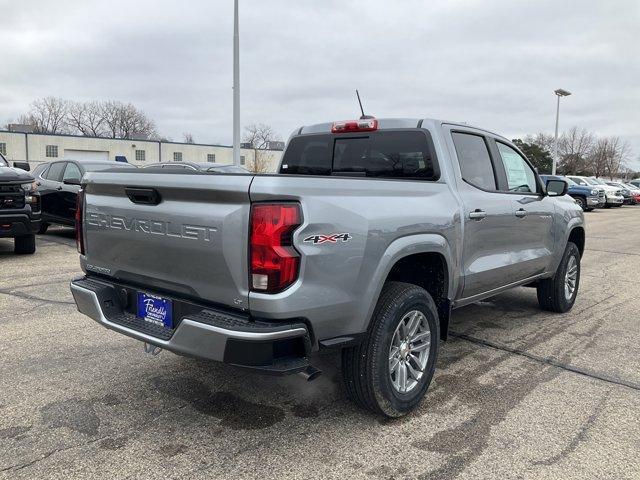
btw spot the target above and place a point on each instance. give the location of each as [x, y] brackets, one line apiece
[490, 63]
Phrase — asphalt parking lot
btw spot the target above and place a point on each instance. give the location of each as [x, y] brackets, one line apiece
[518, 393]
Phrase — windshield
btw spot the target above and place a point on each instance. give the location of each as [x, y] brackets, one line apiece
[570, 182]
[592, 181]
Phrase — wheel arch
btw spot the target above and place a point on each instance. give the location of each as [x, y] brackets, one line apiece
[424, 260]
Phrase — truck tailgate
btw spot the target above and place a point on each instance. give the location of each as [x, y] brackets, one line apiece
[192, 243]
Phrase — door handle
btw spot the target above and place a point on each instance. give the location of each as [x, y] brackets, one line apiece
[521, 213]
[477, 214]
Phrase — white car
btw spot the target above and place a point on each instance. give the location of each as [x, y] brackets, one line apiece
[613, 195]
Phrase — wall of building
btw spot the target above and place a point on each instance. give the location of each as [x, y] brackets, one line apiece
[33, 147]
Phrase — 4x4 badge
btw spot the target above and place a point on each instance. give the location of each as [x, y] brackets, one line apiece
[315, 239]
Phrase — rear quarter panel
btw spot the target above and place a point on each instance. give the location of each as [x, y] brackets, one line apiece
[340, 281]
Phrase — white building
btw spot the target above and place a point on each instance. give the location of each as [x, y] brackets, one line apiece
[36, 148]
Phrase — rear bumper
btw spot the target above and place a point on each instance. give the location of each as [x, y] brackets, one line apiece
[16, 224]
[276, 348]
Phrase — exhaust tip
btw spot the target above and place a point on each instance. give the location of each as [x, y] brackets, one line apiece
[310, 373]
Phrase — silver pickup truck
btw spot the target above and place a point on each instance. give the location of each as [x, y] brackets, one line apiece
[368, 236]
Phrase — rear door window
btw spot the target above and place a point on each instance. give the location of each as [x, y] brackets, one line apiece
[384, 154]
[71, 172]
[55, 171]
[475, 163]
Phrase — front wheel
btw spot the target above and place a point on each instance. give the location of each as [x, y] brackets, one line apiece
[390, 371]
[582, 202]
[558, 293]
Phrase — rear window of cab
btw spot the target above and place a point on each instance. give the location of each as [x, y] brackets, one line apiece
[383, 154]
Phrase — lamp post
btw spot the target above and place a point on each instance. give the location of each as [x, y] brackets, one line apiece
[236, 86]
[559, 93]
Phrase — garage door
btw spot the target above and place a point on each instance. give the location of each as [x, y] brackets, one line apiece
[85, 155]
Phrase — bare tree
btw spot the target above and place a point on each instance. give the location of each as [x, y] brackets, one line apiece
[573, 148]
[259, 136]
[126, 121]
[47, 115]
[542, 140]
[188, 138]
[86, 118]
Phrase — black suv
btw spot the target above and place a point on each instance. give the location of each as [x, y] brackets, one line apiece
[19, 206]
[59, 183]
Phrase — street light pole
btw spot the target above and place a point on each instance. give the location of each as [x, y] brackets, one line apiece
[559, 93]
[236, 86]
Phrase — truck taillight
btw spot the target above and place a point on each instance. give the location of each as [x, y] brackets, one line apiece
[351, 126]
[79, 234]
[274, 263]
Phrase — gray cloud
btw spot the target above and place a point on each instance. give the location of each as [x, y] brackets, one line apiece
[494, 64]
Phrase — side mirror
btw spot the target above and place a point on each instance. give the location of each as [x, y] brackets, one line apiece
[71, 181]
[557, 188]
[22, 166]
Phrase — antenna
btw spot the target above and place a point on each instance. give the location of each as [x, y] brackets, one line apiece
[363, 117]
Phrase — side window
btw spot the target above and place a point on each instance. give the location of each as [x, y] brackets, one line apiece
[520, 176]
[55, 171]
[72, 171]
[474, 159]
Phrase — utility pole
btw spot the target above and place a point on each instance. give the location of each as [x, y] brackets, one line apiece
[559, 93]
[236, 86]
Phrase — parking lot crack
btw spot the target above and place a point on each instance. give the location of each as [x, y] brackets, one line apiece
[549, 361]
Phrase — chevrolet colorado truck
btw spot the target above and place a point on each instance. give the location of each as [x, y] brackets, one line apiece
[19, 206]
[368, 236]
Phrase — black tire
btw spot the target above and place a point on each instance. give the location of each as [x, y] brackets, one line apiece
[551, 291]
[43, 228]
[607, 205]
[365, 367]
[24, 244]
[582, 202]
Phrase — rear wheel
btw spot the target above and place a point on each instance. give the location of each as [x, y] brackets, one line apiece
[558, 294]
[24, 244]
[390, 371]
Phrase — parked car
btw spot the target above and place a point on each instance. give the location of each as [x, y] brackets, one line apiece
[586, 197]
[635, 191]
[368, 237]
[635, 182]
[19, 206]
[58, 183]
[202, 167]
[625, 191]
[613, 196]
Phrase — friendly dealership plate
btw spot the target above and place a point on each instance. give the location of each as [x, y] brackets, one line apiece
[156, 310]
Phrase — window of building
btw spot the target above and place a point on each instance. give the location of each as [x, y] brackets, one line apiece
[520, 176]
[177, 156]
[475, 162]
[243, 160]
[3, 148]
[51, 151]
[211, 157]
[140, 155]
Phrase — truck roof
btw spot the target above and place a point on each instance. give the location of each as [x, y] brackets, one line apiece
[387, 123]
